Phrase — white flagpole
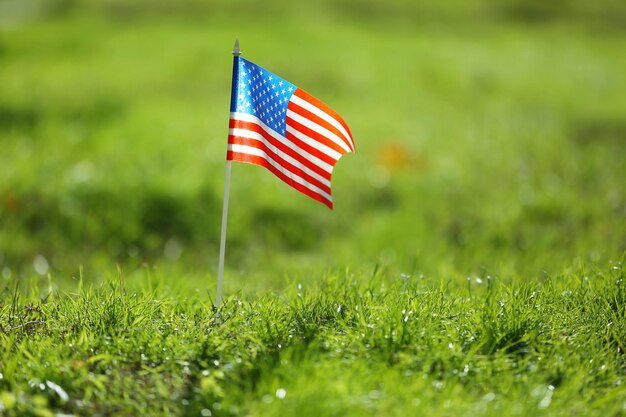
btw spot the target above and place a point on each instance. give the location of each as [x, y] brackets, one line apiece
[220, 271]
[220, 268]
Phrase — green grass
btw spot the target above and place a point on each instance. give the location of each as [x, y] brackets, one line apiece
[485, 205]
[346, 345]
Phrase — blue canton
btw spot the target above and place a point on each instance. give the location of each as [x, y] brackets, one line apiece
[263, 94]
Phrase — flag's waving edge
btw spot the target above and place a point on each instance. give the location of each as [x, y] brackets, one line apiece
[277, 125]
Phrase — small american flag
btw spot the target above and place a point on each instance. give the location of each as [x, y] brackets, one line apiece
[277, 125]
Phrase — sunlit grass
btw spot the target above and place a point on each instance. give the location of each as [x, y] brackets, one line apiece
[348, 345]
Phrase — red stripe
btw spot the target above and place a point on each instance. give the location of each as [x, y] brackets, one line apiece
[314, 135]
[257, 160]
[240, 124]
[238, 140]
[317, 103]
[318, 120]
[313, 151]
[299, 144]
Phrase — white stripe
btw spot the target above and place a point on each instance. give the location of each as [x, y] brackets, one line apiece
[314, 143]
[309, 141]
[249, 150]
[323, 115]
[303, 153]
[244, 133]
[319, 129]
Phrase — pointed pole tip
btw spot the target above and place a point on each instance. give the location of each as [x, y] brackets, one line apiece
[236, 50]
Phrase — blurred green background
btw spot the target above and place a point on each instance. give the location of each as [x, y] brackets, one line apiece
[491, 138]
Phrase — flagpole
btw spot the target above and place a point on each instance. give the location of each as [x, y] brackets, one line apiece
[220, 271]
[220, 268]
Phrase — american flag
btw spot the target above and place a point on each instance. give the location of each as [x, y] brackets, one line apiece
[277, 125]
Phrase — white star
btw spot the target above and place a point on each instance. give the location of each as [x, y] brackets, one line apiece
[290, 89]
[270, 78]
[280, 83]
[283, 91]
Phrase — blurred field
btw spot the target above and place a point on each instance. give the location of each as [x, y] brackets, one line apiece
[491, 139]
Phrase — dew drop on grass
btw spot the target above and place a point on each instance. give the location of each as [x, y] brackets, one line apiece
[173, 249]
[41, 265]
[281, 393]
[489, 397]
[58, 390]
[206, 412]
[545, 401]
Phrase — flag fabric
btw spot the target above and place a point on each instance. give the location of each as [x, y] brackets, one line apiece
[277, 125]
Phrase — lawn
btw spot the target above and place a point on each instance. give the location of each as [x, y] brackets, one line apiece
[472, 264]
